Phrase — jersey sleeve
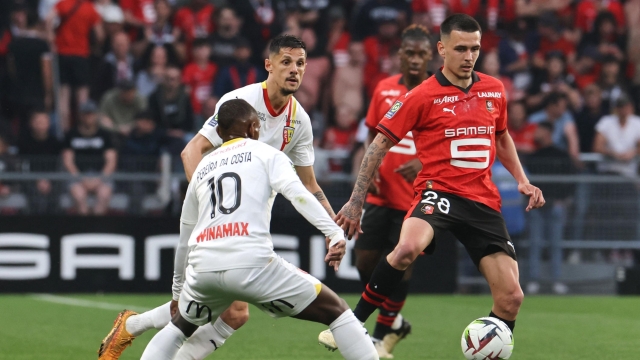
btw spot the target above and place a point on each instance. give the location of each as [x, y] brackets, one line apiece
[209, 128]
[302, 153]
[281, 171]
[402, 117]
[189, 213]
[373, 118]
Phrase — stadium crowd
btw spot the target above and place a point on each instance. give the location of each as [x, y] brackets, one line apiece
[95, 87]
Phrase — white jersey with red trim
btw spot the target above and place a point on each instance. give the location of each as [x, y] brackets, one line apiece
[229, 201]
[288, 131]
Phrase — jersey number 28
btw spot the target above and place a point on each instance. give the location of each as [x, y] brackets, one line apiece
[217, 193]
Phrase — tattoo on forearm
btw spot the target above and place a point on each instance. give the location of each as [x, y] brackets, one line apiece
[324, 202]
[370, 164]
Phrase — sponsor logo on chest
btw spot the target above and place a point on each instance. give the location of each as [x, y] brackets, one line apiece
[490, 94]
[445, 100]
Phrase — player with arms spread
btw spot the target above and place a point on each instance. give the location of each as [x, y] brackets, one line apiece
[225, 251]
[285, 127]
[459, 124]
[391, 193]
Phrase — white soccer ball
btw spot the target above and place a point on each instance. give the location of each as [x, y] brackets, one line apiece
[487, 338]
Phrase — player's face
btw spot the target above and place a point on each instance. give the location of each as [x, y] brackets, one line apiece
[254, 127]
[287, 69]
[414, 57]
[460, 51]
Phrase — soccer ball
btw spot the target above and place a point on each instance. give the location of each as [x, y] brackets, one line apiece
[487, 338]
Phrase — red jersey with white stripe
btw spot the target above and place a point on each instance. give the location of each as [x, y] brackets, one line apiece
[199, 81]
[395, 191]
[454, 130]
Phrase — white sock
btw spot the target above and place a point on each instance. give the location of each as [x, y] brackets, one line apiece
[165, 344]
[153, 319]
[205, 340]
[397, 323]
[352, 339]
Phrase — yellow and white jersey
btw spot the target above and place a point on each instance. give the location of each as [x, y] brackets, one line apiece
[229, 200]
[288, 131]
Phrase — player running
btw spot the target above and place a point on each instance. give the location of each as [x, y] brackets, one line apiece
[225, 251]
[459, 123]
[392, 192]
[286, 127]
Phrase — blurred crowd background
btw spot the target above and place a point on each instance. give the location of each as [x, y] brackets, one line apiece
[98, 98]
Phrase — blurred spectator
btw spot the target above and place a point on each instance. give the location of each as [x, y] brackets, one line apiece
[338, 38]
[7, 163]
[198, 76]
[263, 20]
[195, 21]
[119, 106]
[632, 11]
[491, 66]
[587, 12]
[549, 38]
[36, 148]
[349, 79]
[513, 55]
[113, 21]
[29, 69]
[588, 117]
[586, 68]
[370, 14]
[314, 18]
[605, 37]
[226, 37]
[316, 73]
[240, 73]
[565, 135]
[145, 139]
[429, 13]
[138, 14]
[170, 108]
[89, 156]
[618, 137]
[76, 20]
[162, 30]
[552, 78]
[610, 82]
[520, 130]
[378, 50]
[116, 66]
[341, 136]
[154, 63]
[549, 222]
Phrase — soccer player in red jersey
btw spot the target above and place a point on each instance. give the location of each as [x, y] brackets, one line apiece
[458, 119]
[390, 197]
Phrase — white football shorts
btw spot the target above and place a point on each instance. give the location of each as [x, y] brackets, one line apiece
[279, 289]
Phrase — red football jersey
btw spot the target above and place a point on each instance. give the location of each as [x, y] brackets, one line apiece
[454, 131]
[395, 191]
[199, 80]
[194, 24]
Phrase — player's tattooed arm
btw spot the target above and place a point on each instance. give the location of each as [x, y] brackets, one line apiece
[308, 178]
[349, 217]
[324, 202]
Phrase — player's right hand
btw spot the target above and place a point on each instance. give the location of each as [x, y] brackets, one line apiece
[335, 254]
[349, 219]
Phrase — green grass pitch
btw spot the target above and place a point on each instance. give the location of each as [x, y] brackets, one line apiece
[549, 328]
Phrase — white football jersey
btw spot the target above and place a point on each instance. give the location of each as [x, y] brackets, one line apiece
[288, 131]
[229, 200]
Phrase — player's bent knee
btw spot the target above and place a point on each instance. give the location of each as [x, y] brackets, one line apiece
[403, 256]
[510, 302]
[236, 315]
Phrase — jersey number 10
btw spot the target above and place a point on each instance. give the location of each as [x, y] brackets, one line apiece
[217, 193]
[456, 153]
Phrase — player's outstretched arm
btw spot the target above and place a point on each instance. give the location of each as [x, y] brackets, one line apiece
[308, 178]
[349, 217]
[192, 154]
[506, 151]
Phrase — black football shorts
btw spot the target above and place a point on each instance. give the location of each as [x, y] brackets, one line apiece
[380, 228]
[479, 228]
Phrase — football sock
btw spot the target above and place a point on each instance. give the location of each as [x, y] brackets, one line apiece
[165, 344]
[389, 311]
[352, 339]
[156, 318]
[205, 340]
[510, 323]
[383, 282]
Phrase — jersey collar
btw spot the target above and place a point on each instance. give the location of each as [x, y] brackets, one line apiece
[267, 102]
[443, 81]
[232, 141]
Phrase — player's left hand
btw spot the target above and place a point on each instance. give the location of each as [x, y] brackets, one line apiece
[173, 307]
[335, 254]
[349, 219]
[409, 170]
[536, 200]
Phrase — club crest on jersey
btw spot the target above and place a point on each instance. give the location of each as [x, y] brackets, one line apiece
[427, 209]
[287, 134]
[394, 109]
[490, 107]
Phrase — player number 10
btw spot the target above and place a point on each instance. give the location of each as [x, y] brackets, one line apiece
[456, 153]
[443, 205]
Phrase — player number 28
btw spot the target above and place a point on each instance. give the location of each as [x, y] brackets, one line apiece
[216, 184]
[443, 205]
[456, 153]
